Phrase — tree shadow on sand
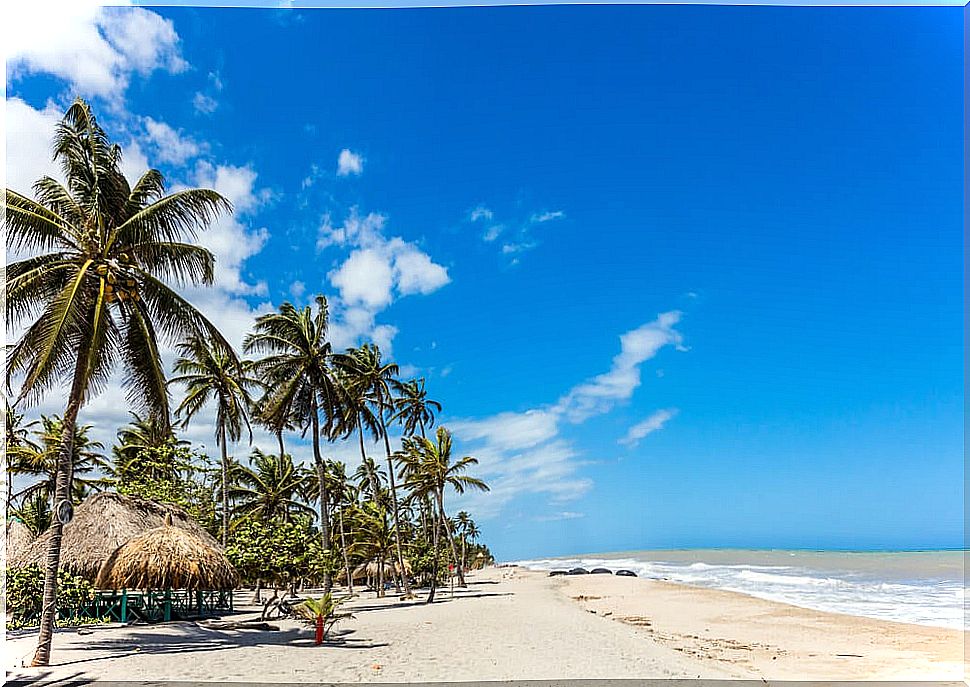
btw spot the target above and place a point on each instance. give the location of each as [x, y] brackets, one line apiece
[191, 638]
[440, 598]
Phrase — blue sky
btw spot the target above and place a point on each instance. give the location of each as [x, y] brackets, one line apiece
[681, 276]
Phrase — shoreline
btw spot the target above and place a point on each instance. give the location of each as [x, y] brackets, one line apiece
[516, 624]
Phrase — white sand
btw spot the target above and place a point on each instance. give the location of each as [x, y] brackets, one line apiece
[511, 624]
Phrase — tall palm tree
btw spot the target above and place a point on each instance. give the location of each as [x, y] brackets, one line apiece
[94, 290]
[270, 488]
[143, 433]
[299, 383]
[414, 410]
[366, 377]
[427, 469]
[373, 539]
[213, 375]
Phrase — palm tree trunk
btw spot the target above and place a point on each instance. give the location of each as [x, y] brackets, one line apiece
[225, 486]
[451, 539]
[322, 493]
[434, 559]
[62, 492]
[279, 440]
[343, 545]
[397, 520]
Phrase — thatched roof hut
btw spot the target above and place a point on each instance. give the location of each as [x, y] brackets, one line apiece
[371, 568]
[101, 524]
[166, 557]
[18, 539]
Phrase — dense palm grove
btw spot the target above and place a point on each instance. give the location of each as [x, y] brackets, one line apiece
[98, 296]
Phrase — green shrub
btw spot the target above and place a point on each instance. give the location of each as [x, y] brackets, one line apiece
[25, 592]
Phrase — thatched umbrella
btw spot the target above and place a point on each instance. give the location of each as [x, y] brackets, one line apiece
[371, 569]
[101, 524]
[167, 557]
[18, 539]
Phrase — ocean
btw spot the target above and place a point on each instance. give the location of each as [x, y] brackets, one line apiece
[921, 587]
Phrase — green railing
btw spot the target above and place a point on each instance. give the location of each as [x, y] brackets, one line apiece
[152, 606]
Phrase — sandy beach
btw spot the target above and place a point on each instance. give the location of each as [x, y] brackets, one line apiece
[515, 624]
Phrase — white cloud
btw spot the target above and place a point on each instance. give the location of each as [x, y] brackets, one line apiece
[204, 104]
[231, 238]
[377, 270]
[29, 133]
[518, 233]
[365, 278]
[522, 453]
[647, 426]
[481, 212]
[349, 163]
[297, 289]
[416, 273]
[637, 346]
[169, 145]
[539, 218]
[95, 49]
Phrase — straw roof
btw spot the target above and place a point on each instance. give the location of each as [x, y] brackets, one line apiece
[18, 538]
[167, 557]
[371, 569]
[101, 524]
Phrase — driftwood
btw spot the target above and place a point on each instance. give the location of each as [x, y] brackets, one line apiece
[238, 625]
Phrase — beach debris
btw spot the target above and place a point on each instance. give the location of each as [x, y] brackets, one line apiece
[237, 625]
[583, 597]
[376, 666]
[849, 655]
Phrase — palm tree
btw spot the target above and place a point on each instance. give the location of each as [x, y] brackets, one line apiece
[41, 463]
[427, 469]
[467, 529]
[295, 371]
[35, 513]
[270, 489]
[17, 445]
[94, 289]
[373, 539]
[368, 379]
[415, 411]
[141, 434]
[214, 375]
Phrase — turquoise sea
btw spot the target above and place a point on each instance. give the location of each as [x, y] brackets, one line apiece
[922, 587]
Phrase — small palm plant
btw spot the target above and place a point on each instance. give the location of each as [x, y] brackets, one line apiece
[322, 613]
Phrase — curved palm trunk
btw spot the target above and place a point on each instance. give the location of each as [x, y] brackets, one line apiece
[279, 440]
[322, 494]
[225, 486]
[397, 520]
[451, 538]
[62, 491]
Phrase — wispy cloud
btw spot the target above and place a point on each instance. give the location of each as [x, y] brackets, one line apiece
[648, 426]
[522, 453]
[518, 233]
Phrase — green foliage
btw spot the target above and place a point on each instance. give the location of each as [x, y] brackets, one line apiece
[275, 551]
[171, 473]
[25, 588]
